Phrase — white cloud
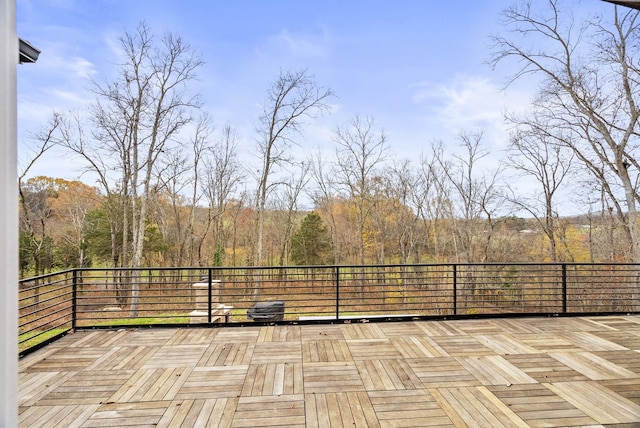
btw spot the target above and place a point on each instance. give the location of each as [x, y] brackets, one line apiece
[112, 43]
[297, 45]
[32, 112]
[71, 99]
[70, 66]
[469, 102]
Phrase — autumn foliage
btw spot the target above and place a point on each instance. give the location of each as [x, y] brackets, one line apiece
[63, 225]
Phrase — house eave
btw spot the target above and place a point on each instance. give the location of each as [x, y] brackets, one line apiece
[634, 4]
[28, 53]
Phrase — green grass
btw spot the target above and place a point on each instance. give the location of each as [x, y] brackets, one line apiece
[168, 319]
[34, 338]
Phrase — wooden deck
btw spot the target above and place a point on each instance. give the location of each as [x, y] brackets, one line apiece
[502, 372]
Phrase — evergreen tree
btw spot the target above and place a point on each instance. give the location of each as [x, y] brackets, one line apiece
[310, 244]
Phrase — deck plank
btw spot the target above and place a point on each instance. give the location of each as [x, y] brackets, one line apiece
[622, 338]
[218, 412]
[192, 336]
[495, 370]
[408, 408]
[544, 368]
[314, 351]
[442, 373]
[628, 388]
[277, 352]
[210, 382]
[476, 407]
[581, 371]
[503, 344]
[387, 375]
[538, 406]
[357, 330]
[155, 338]
[365, 349]
[321, 332]
[340, 409]
[597, 401]
[327, 377]
[273, 410]
[417, 347]
[176, 356]
[592, 365]
[45, 386]
[273, 379]
[123, 358]
[592, 342]
[76, 417]
[227, 354]
[459, 346]
[85, 388]
[181, 413]
[128, 414]
[286, 333]
[164, 381]
[37, 416]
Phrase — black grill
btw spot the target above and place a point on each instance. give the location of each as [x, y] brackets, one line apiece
[267, 311]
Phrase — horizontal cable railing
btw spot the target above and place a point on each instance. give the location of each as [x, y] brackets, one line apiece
[52, 305]
[46, 308]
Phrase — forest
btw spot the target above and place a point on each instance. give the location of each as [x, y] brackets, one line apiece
[171, 189]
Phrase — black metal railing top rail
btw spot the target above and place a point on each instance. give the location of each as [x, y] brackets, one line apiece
[51, 305]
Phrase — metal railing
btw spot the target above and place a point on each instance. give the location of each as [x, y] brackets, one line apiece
[52, 305]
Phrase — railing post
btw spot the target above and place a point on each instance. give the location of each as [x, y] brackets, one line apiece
[74, 298]
[210, 295]
[564, 288]
[337, 293]
[455, 289]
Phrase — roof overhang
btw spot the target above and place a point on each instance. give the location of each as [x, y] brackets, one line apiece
[28, 53]
[634, 4]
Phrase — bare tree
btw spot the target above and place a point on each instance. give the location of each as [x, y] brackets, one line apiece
[35, 220]
[537, 156]
[180, 177]
[361, 150]
[33, 201]
[323, 195]
[72, 205]
[223, 177]
[167, 208]
[287, 206]
[294, 96]
[588, 93]
[430, 197]
[136, 117]
[45, 139]
[401, 183]
[608, 237]
[474, 197]
[73, 137]
[200, 142]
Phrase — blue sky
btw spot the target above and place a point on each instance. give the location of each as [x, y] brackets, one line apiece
[415, 66]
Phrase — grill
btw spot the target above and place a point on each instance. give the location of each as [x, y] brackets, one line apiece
[267, 311]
